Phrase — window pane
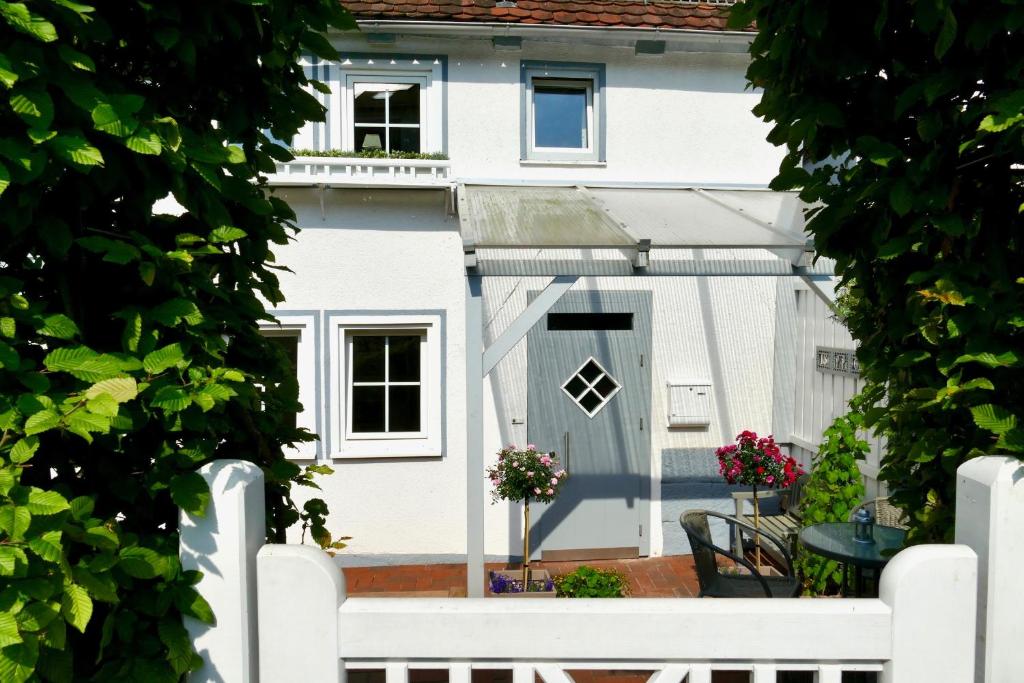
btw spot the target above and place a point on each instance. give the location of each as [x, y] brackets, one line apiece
[367, 358]
[404, 358]
[290, 345]
[405, 103]
[590, 400]
[405, 139]
[405, 409]
[367, 409]
[369, 100]
[368, 138]
[560, 116]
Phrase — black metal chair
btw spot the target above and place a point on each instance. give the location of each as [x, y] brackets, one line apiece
[716, 584]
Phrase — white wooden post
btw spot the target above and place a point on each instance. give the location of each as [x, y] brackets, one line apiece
[300, 591]
[990, 519]
[932, 592]
[223, 545]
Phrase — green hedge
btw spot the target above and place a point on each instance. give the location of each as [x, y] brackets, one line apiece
[130, 353]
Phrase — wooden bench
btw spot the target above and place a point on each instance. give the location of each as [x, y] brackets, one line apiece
[785, 524]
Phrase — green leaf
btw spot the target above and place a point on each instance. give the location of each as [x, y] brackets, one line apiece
[172, 312]
[901, 197]
[8, 77]
[83, 363]
[192, 604]
[74, 58]
[909, 358]
[179, 645]
[992, 360]
[1011, 440]
[19, 16]
[172, 399]
[59, 326]
[11, 559]
[76, 149]
[993, 418]
[85, 423]
[140, 562]
[163, 358]
[76, 606]
[37, 616]
[14, 521]
[106, 118]
[101, 537]
[47, 546]
[121, 389]
[42, 421]
[82, 507]
[115, 251]
[226, 233]
[5, 181]
[42, 502]
[144, 142]
[947, 35]
[24, 449]
[191, 493]
[34, 106]
[8, 629]
[17, 662]
[7, 327]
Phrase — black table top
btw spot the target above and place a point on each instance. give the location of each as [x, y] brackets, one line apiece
[834, 540]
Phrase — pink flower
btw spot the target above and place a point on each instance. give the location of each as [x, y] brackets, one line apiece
[511, 446]
[537, 491]
[554, 481]
[530, 447]
[770, 479]
[550, 492]
[529, 474]
[545, 460]
[561, 474]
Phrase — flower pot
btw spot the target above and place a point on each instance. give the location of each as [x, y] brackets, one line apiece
[509, 584]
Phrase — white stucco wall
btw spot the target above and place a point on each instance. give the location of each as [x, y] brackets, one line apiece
[672, 119]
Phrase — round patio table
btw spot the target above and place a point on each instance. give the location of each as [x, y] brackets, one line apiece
[834, 540]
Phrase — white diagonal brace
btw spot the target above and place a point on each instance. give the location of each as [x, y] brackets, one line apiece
[558, 286]
[824, 287]
[672, 673]
[552, 673]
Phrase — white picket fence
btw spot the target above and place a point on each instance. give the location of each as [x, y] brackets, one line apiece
[283, 614]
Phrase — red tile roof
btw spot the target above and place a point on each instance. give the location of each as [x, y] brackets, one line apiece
[611, 13]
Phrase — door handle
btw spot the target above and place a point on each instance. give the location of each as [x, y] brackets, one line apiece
[566, 451]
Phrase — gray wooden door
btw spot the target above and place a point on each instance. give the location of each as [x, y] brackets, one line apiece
[589, 400]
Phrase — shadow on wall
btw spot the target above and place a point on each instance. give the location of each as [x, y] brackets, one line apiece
[690, 481]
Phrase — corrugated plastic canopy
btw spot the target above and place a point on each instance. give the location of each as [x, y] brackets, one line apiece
[510, 217]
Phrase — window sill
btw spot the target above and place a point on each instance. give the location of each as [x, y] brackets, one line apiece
[388, 448]
[563, 162]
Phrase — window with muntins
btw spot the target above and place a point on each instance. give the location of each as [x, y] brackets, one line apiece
[388, 116]
[562, 107]
[385, 384]
[386, 387]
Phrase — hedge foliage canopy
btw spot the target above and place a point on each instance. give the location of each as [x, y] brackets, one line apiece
[904, 124]
[129, 345]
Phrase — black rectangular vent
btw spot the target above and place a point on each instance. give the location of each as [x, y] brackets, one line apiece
[590, 321]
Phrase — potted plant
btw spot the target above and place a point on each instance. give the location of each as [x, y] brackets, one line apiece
[757, 462]
[522, 475]
[588, 582]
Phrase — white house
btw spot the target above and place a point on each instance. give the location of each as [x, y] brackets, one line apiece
[599, 158]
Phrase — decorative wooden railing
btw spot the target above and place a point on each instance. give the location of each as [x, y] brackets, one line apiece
[342, 171]
[283, 613]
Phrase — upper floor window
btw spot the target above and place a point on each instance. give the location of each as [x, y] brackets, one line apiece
[562, 111]
[388, 116]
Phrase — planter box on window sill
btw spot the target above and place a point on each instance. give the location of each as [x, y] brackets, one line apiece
[359, 172]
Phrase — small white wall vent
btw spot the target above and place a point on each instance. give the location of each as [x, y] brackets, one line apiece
[689, 403]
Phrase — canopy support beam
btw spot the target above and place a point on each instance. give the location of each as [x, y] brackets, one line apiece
[479, 363]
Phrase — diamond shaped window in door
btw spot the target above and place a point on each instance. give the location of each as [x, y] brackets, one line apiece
[591, 387]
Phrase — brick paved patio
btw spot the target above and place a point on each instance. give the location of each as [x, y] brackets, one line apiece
[649, 577]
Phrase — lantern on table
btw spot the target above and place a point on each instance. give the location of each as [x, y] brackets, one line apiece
[863, 526]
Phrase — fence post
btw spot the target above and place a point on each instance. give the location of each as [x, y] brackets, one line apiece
[932, 592]
[990, 519]
[300, 592]
[223, 546]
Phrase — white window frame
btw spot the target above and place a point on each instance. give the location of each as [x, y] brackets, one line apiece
[304, 327]
[350, 383]
[384, 78]
[342, 442]
[586, 77]
[426, 72]
[584, 84]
